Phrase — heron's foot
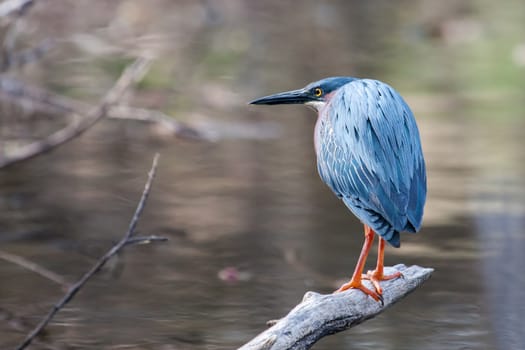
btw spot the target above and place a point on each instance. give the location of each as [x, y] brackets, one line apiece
[359, 285]
[377, 276]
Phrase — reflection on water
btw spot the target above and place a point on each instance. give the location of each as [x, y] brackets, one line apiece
[252, 203]
[498, 203]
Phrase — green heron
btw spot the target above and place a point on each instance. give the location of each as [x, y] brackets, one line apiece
[369, 154]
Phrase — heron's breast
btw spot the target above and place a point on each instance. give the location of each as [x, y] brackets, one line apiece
[322, 131]
[326, 152]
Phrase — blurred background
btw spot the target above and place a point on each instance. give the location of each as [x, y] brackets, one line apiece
[251, 225]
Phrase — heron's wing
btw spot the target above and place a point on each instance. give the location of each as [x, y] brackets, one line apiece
[369, 153]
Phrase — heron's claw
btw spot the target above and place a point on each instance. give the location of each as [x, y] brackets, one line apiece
[375, 277]
[359, 285]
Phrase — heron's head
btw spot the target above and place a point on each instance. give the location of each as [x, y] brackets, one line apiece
[315, 94]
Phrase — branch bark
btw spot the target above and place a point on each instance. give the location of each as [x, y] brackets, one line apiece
[320, 315]
[128, 238]
[131, 74]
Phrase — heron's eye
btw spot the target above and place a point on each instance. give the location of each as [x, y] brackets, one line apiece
[318, 92]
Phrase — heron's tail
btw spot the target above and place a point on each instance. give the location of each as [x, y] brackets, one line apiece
[377, 222]
[385, 230]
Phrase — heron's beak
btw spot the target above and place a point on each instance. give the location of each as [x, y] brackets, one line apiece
[300, 96]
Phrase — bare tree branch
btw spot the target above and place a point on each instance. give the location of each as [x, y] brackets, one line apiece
[11, 11]
[29, 265]
[19, 324]
[131, 74]
[168, 123]
[320, 315]
[128, 237]
[49, 102]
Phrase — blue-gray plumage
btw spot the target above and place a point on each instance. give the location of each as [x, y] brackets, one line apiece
[369, 153]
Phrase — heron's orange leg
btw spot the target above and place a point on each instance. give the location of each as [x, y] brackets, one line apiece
[356, 281]
[377, 275]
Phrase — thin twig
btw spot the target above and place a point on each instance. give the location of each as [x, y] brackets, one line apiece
[20, 325]
[29, 265]
[131, 74]
[99, 264]
[146, 239]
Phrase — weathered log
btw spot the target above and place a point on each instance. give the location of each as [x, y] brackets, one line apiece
[320, 315]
